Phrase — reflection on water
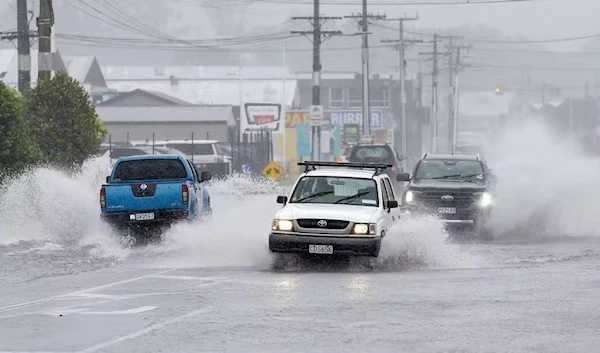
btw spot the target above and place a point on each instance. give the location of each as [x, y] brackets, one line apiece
[360, 287]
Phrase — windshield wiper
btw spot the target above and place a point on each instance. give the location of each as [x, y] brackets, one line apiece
[447, 176]
[471, 176]
[322, 193]
[350, 198]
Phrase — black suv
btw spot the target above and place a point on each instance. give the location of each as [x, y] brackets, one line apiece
[458, 189]
[378, 154]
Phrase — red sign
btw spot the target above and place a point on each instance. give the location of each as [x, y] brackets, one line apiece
[264, 119]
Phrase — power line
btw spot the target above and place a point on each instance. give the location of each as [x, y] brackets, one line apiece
[390, 3]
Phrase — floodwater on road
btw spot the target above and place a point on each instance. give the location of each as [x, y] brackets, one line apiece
[522, 298]
[67, 284]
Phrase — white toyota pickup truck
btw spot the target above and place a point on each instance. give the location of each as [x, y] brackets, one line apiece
[336, 208]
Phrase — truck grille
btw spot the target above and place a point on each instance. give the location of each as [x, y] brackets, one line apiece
[462, 199]
[331, 223]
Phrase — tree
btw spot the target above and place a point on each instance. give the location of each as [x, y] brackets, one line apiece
[17, 149]
[63, 121]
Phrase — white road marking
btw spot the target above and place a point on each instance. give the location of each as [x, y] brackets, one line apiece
[33, 302]
[86, 311]
[149, 329]
[188, 278]
[31, 352]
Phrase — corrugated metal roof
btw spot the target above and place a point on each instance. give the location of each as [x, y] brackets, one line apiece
[194, 72]
[188, 114]
[217, 92]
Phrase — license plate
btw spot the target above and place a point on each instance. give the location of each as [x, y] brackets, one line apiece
[320, 249]
[447, 210]
[144, 216]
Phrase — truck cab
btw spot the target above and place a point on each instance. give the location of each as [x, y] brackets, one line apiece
[147, 191]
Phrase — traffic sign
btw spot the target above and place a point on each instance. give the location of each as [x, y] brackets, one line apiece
[273, 170]
[316, 115]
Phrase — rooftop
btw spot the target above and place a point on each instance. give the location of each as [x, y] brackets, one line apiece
[342, 172]
[456, 156]
[162, 114]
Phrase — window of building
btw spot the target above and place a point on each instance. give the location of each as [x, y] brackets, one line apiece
[380, 97]
[355, 97]
[336, 97]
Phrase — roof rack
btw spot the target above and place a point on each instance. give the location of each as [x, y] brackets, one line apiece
[311, 165]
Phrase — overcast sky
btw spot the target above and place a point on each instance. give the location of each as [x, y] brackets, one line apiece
[535, 19]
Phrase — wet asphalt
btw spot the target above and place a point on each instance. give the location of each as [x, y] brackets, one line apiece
[529, 298]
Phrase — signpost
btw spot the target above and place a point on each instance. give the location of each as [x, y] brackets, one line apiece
[316, 115]
[273, 170]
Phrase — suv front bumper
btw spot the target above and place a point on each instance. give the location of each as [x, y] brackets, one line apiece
[473, 215]
[297, 243]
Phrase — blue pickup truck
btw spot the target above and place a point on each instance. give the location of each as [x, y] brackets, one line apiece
[147, 192]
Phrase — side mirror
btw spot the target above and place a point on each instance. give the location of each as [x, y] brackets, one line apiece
[392, 204]
[108, 179]
[205, 176]
[403, 177]
[282, 199]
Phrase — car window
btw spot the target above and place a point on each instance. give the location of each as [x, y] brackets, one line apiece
[389, 188]
[336, 190]
[372, 154]
[200, 149]
[127, 152]
[384, 193]
[150, 169]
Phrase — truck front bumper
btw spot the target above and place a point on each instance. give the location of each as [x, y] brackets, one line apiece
[297, 243]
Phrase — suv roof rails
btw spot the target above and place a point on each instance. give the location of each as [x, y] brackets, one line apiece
[311, 165]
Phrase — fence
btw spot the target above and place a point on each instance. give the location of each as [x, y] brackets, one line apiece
[248, 156]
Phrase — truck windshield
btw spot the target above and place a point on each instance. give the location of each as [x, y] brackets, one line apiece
[449, 169]
[336, 190]
[150, 169]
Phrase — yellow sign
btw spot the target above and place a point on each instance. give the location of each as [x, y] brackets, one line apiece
[273, 170]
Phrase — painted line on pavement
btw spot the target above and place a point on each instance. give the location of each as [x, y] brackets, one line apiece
[149, 329]
[108, 285]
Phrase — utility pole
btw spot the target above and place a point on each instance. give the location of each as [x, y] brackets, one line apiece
[434, 82]
[402, 76]
[44, 24]
[364, 26]
[318, 37]
[434, 92]
[23, 47]
[456, 95]
[451, 95]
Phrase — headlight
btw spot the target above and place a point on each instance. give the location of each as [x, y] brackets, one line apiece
[409, 197]
[364, 229]
[284, 225]
[486, 199]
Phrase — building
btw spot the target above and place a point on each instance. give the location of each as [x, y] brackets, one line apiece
[9, 66]
[87, 71]
[342, 100]
[142, 98]
[127, 123]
